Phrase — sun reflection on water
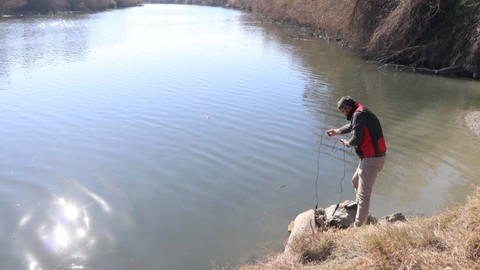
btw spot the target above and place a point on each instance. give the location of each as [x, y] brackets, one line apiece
[71, 223]
[69, 209]
[64, 234]
[32, 263]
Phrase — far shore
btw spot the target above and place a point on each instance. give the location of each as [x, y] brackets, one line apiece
[32, 7]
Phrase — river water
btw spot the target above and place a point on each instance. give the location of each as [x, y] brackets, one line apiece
[184, 137]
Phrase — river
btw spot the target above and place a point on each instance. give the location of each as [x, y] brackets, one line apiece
[186, 137]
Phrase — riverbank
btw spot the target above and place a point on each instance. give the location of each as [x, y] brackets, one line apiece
[449, 240]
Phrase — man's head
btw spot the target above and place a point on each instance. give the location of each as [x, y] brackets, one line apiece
[346, 105]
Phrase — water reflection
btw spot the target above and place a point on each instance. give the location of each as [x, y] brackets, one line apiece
[32, 263]
[40, 40]
[70, 224]
[63, 232]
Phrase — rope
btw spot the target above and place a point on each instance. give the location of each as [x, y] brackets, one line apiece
[340, 183]
[334, 150]
[318, 169]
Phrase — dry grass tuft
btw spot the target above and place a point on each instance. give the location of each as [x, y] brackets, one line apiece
[450, 239]
[472, 248]
[391, 246]
[415, 18]
[314, 249]
[279, 262]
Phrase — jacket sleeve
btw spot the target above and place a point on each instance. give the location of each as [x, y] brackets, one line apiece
[359, 123]
[345, 129]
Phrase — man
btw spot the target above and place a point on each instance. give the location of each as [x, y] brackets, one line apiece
[370, 146]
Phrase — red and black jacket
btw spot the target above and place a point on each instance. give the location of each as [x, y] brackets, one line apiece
[367, 135]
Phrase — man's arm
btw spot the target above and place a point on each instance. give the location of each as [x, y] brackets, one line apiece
[345, 129]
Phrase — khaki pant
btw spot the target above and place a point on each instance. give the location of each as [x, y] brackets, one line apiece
[363, 180]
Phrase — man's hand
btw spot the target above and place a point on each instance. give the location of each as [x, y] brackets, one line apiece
[345, 142]
[332, 132]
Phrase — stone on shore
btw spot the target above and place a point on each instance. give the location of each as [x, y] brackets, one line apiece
[472, 120]
[395, 217]
[343, 217]
[313, 221]
[303, 223]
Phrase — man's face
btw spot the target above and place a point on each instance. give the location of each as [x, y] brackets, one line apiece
[346, 110]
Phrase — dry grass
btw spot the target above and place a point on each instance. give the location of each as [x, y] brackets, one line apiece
[450, 239]
[436, 34]
[415, 16]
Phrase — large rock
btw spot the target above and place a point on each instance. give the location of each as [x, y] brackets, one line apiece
[342, 216]
[303, 223]
[395, 217]
[310, 221]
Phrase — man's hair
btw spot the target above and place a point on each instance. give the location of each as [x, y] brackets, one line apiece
[345, 101]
